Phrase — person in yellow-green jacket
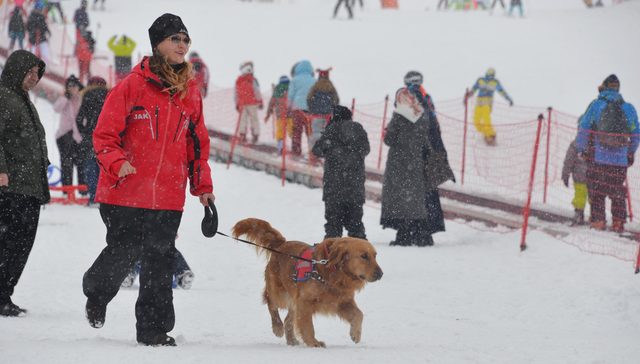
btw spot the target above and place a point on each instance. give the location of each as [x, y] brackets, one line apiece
[122, 49]
[486, 86]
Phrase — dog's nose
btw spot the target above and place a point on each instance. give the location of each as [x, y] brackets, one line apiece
[378, 274]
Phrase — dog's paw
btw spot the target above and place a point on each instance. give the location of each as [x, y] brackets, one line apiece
[318, 344]
[278, 330]
[355, 333]
[293, 342]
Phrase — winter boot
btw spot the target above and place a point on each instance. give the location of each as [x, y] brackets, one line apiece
[426, 240]
[95, 313]
[158, 339]
[490, 140]
[599, 225]
[617, 226]
[578, 218]
[10, 309]
[185, 279]
[255, 138]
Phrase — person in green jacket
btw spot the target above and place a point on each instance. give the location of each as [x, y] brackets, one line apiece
[122, 49]
[23, 171]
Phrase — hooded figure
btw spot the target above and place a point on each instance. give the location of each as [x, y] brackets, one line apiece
[415, 168]
[344, 146]
[23, 171]
[322, 99]
[299, 88]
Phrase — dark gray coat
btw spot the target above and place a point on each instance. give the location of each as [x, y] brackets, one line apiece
[343, 145]
[416, 164]
[574, 165]
[23, 148]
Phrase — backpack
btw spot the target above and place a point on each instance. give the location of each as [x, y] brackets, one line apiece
[613, 126]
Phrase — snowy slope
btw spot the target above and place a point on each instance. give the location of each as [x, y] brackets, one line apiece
[556, 56]
[473, 298]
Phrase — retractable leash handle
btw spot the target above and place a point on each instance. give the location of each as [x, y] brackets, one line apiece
[209, 223]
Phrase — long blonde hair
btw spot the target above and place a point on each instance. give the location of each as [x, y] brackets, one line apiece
[178, 81]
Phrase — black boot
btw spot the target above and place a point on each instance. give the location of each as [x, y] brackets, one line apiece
[10, 309]
[426, 240]
[157, 339]
[96, 314]
[578, 218]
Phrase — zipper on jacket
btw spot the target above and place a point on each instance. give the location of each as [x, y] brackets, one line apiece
[164, 143]
[175, 135]
[158, 130]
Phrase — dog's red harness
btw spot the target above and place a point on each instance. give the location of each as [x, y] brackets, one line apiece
[305, 270]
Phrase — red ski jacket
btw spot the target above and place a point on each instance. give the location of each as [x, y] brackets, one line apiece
[163, 137]
[247, 91]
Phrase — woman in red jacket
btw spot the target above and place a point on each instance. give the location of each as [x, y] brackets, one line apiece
[149, 140]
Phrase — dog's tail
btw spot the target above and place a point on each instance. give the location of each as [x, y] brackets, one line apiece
[259, 232]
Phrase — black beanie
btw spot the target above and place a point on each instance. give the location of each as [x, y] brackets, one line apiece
[341, 113]
[165, 26]
[611, 82]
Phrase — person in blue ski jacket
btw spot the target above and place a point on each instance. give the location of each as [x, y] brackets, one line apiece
[299, 88]
[607, 164]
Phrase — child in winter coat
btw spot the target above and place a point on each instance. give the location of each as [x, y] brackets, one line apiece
[200, 73]
[248, 100]
[122, 49]
[16, 28]
[278, 106]
[576, 167]
[85, 45]
[322, 98]
[299, 88]
[344, 146]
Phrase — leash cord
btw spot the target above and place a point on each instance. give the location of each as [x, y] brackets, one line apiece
[313, 261]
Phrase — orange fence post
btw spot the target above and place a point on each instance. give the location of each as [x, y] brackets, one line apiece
[384, 125]
[546, 162]
[626, 185]
[527, 206]
[234, 138]
[464, 135]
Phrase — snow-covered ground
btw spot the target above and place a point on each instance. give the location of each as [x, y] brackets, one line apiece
[472, 298]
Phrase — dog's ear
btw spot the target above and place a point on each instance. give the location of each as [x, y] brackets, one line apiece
[337, 252]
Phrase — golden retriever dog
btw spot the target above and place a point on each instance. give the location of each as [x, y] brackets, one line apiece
[350, 264]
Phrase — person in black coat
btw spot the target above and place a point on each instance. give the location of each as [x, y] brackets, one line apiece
[417, 164]
[344, 145]
[94, 96]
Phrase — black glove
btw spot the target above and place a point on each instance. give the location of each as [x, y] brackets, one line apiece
[565, 180]
[630, 159]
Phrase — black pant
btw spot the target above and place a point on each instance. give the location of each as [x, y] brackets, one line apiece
[69, 157]
[132, 234]
[343, 214]
[443, 2]
[607, 181]
[19, 215]
[347, 5]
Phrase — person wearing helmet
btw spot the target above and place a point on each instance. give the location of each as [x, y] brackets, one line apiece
[486, 86]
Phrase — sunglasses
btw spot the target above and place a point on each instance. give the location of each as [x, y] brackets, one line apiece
[176, 39]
